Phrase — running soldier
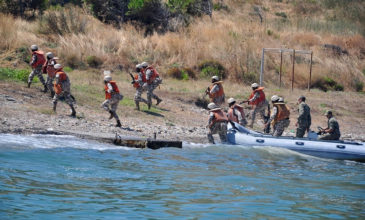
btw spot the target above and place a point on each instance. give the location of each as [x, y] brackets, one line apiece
[48, 68]
[153, 81]
[216, 91]
[112, 97]
[62, 88]
[332, 132]
[304, 118]
[258, 101]
[217, 123]
[236, 113]
[279, 117]
[37, 63]
[139, 80]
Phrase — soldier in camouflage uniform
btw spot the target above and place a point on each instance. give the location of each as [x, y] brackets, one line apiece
[62, 88]
[37, 63]
[304, 118]
[217, 123]
[153, 81]
[112, 97]
[258, 101]
[279, 116]
[139, 84]
[332, 132]
[48, 68]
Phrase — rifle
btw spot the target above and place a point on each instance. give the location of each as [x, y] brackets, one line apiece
[133, 80]
[246, 101]
[266, 118]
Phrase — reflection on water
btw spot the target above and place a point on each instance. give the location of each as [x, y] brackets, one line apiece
[43, 177]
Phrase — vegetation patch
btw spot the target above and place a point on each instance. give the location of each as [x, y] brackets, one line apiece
[23, 54]
[94, 61]
[358, 85]
[327, 84]
[211, 68]
[181, 74]
[15, 74]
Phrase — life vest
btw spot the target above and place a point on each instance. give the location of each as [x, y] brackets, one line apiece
[136, 83]
[283, 113]
[261, 99]
[219, 116]
[62, 76]
[232, 116]
[154, 75]
[40, 58]
[115, 89]
[219, 93]
[50, 70]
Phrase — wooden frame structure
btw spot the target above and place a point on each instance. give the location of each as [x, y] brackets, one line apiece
[281, 51]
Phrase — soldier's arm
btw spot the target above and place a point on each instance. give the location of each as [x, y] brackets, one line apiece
[301, 113]
[214, 89]
[110, 88]
[211, 117]
[256, 96]
[238, 113]
[148, 74]
[34, 59]
[273, 114]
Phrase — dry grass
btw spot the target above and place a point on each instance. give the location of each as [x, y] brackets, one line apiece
[233, 38]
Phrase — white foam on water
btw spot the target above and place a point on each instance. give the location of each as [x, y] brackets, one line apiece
[55, 141]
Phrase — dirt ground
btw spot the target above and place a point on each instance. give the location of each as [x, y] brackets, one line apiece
[24, 110]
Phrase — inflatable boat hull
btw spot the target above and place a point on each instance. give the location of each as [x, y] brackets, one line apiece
[339, 150]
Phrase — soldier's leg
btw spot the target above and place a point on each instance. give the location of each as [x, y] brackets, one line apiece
[40, 76]
[105, 105]
[223, 132]
[253, 116]
[300, 131]
[325, 137]
[113, 108]
[149, 96]
[212, 130]
[31, 76]
[278, 129]
[50, 85]
[70, 102]
[54, 101]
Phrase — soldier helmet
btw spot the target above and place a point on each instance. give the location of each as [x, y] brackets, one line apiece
[107, 78]
[49, 55]
[34, 47]
[254, 85]
[328, 112]
[231, 101]
[302, 97]
[106, 72]
[57, 66]
[281, 99]
[215, 78]
[275, 98]
[212, 105]
[144, 64]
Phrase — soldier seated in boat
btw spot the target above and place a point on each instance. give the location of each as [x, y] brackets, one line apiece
[332, 132]
[217, 123]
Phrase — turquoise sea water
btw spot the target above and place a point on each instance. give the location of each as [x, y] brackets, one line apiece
[63, 177]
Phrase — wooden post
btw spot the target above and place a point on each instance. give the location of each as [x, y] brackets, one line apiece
[292, 73]
[262, 67]
[281, 67]
[310, 72]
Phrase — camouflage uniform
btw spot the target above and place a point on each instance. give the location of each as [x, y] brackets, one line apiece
[304, 119]
[260, 108]
[65, 85]
[335, 134]
[218, 100]
[152, 86]
[138, 96]
[279, 126]
[36, 71]
[50, 76]
[241, 118]
[217, 128]
[113, 103]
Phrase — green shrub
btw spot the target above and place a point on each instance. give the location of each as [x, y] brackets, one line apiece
[73, 61]
[250, 77]
[15, 74]
[327, 84]
[212, 68]
[281, 14]
[23, 54]
[184, 74]
[269, 32]
[94, 61]
[67, 69]
[358, 85]
[220, 6]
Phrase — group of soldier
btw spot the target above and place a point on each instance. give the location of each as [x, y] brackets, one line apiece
[278, 119]
[148, 79]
